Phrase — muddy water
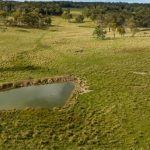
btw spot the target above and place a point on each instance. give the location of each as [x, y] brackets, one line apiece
[42, 96]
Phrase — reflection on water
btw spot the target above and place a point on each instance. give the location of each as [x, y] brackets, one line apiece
[44, 96]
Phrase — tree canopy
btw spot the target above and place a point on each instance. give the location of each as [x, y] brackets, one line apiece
[114, 14]
[33, 14]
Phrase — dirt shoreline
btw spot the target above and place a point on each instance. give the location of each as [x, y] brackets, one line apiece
[79, 88]
[80, 84]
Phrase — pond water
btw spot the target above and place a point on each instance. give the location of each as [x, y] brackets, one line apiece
[43, 96]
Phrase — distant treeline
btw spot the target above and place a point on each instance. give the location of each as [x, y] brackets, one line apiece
[38, 13]
[33, 14]
[114, 12]
[45, 8]
[139, 13]
[66, 4]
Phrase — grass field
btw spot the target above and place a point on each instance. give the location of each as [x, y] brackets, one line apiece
[114, 115]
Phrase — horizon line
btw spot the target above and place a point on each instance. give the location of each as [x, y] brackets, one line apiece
[83, 1]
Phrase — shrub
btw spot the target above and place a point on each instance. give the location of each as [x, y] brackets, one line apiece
[121, 31]
[99, 32]
[80, 19]
[67, 15]
[47, 20]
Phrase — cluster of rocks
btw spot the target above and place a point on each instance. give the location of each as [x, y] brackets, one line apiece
[42, 81]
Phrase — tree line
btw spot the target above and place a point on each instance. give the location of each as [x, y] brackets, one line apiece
[30, 14]
[68, 16]
[115, 16]
[140, 13]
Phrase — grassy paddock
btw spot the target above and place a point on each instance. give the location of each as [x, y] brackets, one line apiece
[114, 115]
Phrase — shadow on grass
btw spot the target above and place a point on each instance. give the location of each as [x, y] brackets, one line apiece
[84, 26]
[20, 68]
[146, 29]
[87, 21]
[105, 39]
[29, 68]
[55, 25]
[21, 30]
[29, 27]
[133, 50]
[53, 30]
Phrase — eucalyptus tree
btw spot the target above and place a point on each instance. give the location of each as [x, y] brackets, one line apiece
[79, 19]
[133, 26]
[99, 32]
[67, 15]
[121, 30]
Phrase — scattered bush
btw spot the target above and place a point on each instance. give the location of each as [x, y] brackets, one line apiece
[67, 15]
[99, 32]
[79, 19]
[121, 31]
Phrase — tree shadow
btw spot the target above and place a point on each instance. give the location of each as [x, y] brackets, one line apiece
[55, 25]
[53, 30]
[84, 26]
[20, 68]
[22, 30]
[28, 68]
[146, 29]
